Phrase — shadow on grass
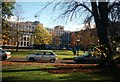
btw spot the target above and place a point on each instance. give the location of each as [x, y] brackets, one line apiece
[48, 69]
[60, 80]
[104, 72]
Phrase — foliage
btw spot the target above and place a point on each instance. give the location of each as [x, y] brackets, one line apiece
[56, 41]
[88, 37]
[114, 35]
[98, 11]
[73, 39]
[7, 8]
[41, 35]
[5, 32]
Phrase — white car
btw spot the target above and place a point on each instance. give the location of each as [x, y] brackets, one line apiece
[4, 54]
[43, 56]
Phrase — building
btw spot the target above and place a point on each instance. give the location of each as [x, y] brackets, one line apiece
[60, 37]
[22, 32]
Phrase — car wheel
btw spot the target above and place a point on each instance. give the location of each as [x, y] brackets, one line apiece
[82, 61]
[31, 59]
[4, 58]
[52, 60]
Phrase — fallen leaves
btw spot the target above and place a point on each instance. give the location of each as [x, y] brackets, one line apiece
[60, 67]
[65, 68]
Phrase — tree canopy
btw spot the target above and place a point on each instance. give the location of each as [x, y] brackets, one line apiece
[41, 35]
[7, 12]
[7, 9]
[73, 39]
[95, 10]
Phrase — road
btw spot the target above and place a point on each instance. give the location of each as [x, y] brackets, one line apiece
[58, 61]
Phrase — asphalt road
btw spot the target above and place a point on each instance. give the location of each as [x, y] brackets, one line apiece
[58, 61]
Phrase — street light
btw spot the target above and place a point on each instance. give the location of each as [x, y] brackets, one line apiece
[78, 47]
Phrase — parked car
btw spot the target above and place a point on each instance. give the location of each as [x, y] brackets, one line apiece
[4, 54]
[86, 58]
[43, 56]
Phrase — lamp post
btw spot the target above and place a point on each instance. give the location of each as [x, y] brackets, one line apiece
[78, 47]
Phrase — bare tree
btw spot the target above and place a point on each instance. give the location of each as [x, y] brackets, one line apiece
[95, 10]
[18, 13]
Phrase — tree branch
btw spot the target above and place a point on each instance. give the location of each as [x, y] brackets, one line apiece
[113, 5]
[86, 8]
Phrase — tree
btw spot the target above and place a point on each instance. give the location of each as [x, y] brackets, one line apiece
[56, 41]
[41, 36]
[98, 10]
[101, 13]
[18, 13]
[73, 39]
[7, 12]
[88, 38]
[73, 42]
[7, 8]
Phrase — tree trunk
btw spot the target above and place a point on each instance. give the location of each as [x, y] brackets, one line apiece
[17, 46]
[104, 22]
[17, 36]
[101, 19]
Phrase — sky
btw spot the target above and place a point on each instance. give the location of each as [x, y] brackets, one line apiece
[47, 17]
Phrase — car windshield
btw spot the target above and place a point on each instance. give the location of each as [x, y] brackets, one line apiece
[87, 55]
[1, 50]
[40, 53]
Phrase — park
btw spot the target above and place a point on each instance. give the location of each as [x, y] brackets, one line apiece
[64, 69]
[79, 39]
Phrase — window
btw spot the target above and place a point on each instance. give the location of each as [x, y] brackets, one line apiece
[40, 53]
[27, 43]
[49, 53]
[30, 28]
[21, 43]
[24, 43]
[27, 38]
[24, 38]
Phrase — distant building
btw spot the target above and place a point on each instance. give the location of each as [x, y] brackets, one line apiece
[25, 31]
[58, 31]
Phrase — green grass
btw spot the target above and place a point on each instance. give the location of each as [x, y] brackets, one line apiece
[35, 71]
[24, 66]
[22, 53]
[61, 53]
[66, 53]
[43, 75]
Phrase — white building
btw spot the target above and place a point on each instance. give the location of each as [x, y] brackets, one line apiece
[23, 31]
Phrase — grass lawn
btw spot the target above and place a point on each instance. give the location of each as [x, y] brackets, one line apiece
[61, 53]
[42, 75]
[40, 71]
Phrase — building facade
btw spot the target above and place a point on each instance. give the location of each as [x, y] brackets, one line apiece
[22, 33]
[60, 37]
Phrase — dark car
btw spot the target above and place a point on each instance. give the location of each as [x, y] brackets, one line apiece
[4, 54]
[87, 58]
